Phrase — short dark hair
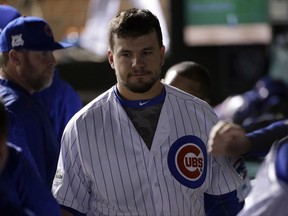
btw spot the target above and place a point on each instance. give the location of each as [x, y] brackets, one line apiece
[195, 72]
[3, 120]
[134, 23]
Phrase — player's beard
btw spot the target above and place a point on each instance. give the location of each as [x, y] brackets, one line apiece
[142, 85]
[37, 79]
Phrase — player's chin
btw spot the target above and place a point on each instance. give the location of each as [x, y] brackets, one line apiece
[140, 87]
[47, 76]
[43, 84]
[50, 72]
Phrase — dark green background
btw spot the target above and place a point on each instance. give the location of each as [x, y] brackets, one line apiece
[213, 12]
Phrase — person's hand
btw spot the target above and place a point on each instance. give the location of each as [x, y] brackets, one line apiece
[228, 139]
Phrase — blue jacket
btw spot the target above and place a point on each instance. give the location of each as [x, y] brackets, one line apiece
[31, 129]
[61, 101]
[22, 191]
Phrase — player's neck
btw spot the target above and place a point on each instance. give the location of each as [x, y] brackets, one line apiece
[152, 93]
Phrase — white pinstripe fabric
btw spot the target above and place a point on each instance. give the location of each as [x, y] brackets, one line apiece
[105, 166]
[269, 194]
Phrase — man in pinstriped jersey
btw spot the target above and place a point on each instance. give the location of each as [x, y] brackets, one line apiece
[140, 147]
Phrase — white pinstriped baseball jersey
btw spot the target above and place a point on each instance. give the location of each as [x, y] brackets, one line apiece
[106, 168]
[269, 194]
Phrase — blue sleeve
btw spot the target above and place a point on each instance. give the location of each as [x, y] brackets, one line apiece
[262, 139]
[222, 205]
[282, 161]
[32, 191]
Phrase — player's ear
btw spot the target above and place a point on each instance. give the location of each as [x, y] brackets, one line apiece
[111, 58]
[14, 57]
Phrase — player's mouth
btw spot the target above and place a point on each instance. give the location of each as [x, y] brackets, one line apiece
[139, 74]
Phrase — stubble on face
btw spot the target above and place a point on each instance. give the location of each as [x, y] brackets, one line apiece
[37, 75]
[139, 84]
[137, 62]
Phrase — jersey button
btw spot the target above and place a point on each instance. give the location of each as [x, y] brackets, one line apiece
[156, 184]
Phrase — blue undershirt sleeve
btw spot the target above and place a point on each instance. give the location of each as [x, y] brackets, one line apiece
[282, 162]
[262, 139]
[222, 205]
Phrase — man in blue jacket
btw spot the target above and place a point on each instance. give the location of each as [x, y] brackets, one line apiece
[22, 191]
[60, 98]
[27, 66]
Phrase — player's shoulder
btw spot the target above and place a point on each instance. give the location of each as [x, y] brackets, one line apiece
[10, 97]
[99, 101]
[94, 106]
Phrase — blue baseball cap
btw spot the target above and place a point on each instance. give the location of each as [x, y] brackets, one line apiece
[7, 14]
[31, 33]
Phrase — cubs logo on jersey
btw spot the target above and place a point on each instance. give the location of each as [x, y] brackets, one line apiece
[187, 161]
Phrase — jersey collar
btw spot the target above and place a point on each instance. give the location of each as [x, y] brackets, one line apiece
[139, 103]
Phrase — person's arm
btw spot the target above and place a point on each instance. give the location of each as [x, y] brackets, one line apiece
[31, 190]
[227, 138]
[262, 139]
[222, 205]
[281, 163]
[69, 178]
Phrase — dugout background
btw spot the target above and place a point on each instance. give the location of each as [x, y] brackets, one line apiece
[235, 68]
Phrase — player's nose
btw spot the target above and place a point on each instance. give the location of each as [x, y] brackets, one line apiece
[51, 59]
[137, 61]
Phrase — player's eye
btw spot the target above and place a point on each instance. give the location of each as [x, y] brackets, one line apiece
[147, 52]
[125, 54]
[44, 53]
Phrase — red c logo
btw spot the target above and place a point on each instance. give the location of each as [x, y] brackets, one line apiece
[190, 161]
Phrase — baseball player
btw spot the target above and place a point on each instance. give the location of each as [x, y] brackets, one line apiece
[269, 192]
[140, 147]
